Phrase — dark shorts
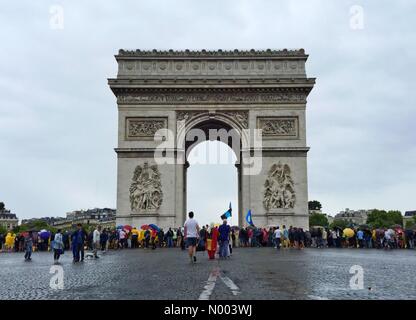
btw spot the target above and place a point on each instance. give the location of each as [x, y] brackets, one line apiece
[191, 242]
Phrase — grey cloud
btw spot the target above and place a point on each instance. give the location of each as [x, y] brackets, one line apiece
[58, 118]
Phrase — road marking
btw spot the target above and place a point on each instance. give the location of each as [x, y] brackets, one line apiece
[209, 287]
[212, 279]
[317, 297]
[230, 284]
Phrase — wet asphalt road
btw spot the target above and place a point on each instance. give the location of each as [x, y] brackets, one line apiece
[251, 273]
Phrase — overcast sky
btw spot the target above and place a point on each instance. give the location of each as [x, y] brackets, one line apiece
[58, 118]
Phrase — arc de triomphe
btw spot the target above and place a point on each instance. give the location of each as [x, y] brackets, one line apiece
[171, 93]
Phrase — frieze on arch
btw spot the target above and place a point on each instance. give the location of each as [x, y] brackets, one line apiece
[274, 127]
[240, 96]
[144, 127]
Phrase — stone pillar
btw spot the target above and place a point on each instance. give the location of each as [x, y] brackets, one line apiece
[241, 213]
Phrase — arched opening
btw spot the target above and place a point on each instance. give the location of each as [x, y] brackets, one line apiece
[212, 171]
[212, 182]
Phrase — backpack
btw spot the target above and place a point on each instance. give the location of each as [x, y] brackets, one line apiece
[201, 245]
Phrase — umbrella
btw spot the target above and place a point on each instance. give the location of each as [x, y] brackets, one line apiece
[399, 230]
[145, 227]
[43, 230]
[154, 227]
[127, 227]
[348, 232]
[45, 235]
[119, 227]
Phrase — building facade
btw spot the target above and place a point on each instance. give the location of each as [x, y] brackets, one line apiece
[49, 220]
[409, 218]
[355, 217]
[105, 217]
[8, 220]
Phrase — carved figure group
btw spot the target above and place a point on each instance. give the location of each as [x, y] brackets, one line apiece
[146, 189]
[279, 188]
[138, 128]
[280, 127]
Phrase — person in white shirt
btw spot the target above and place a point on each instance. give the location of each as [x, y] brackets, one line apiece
[191, 234]
[58, 246]
[324, 237]
[96, 240]
[334, 235]
[122, 239]
[277, 236]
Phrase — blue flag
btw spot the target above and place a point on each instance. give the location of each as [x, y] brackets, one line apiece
[249, 219]
[227, 214]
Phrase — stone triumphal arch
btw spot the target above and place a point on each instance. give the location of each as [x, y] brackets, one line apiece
[258, 96]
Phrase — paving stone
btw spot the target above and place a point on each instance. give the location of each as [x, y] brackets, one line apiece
[259, 273]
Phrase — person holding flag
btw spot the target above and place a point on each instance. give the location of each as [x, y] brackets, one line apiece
[227, 214]
[249, 219]
[224, 237]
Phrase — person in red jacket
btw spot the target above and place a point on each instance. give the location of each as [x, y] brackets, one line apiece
[212, 248]
[154, 235]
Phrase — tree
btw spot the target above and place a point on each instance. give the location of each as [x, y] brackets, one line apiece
[3, 230]
[314, 205]
[2, 206]
[339, 223]
[36, 225]
[318, 219]
[384, 219]
[410, 223]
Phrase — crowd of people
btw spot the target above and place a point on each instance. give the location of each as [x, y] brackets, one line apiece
[213, 239]
[319, 237]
